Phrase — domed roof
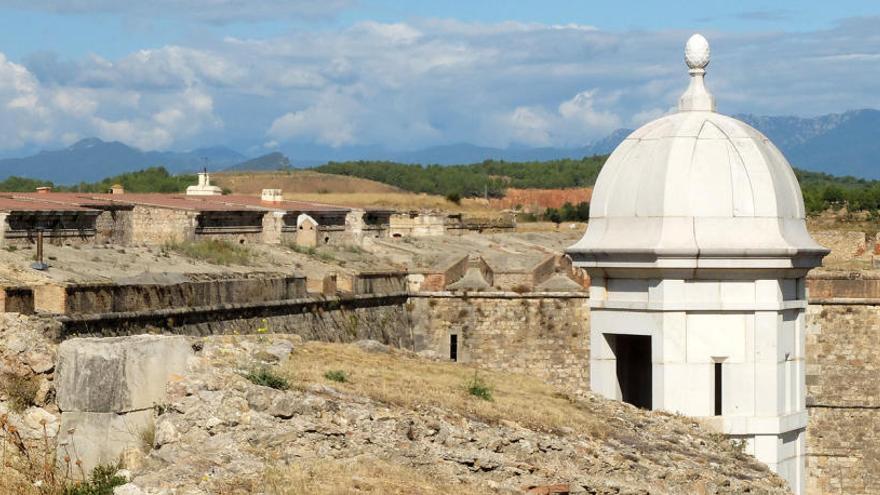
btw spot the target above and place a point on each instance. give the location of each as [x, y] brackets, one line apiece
[696, 184]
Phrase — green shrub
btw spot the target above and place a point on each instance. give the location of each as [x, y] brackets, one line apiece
[479, 388]
[336, 376]
[212, 251]
[102, 482]
[265, 377]
[307, 250]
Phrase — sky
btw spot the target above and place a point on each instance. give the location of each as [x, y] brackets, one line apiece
[264, 75]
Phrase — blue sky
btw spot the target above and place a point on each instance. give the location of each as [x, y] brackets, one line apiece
[261, 75]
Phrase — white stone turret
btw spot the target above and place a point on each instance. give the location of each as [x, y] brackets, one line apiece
[697, 251]
[204, 188]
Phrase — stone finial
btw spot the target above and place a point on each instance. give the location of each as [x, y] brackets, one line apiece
[697, 97]
[696, 52]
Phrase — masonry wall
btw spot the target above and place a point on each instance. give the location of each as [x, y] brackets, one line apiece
[843, 398]
[543, 335]
[155, 226]
[112, 298]
[378, 317]
[114, 227]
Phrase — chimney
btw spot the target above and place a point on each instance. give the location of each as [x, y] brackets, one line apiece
[44, 189]
[271, 196]
[117, 189]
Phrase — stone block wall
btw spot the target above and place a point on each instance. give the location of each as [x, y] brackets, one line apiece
[843, 398]
[844, 245]
[378, 282]
[114, 227]
[17, 300]
[155, 226]
[112, 298]
[543, 335]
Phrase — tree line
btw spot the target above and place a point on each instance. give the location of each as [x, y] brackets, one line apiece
[153, 179]
[489, 178]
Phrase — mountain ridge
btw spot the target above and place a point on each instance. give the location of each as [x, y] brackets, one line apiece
[840, 144]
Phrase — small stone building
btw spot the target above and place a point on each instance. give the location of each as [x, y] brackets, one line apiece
[698, 250]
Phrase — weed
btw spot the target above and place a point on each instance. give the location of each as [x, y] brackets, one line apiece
[102, 482]
[307, 250]
[338, 376]
[147, 437]
[20, 391]
[265, 377]
[212, 251]
[477, 387]
[521, 288]
[11, 249]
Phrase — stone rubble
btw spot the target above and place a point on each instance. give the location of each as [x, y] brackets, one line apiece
[219, 433]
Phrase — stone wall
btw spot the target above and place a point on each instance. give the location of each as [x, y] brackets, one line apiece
[332, 319]
[844, 245]
[17, 300]
[112, 298]
[113, 226]
[544, 335]
[155, 226]
[843, 398]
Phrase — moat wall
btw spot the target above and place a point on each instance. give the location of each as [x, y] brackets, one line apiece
[547, 335]
[539, 334]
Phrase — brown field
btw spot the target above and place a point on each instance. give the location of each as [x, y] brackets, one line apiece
[305, 185]
[298, 181]
[537, 200]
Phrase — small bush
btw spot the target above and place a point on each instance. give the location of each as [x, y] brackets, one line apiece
[148, 437]
[20, 391]
[479, 388]
[102, 482]
[310, 251]
[338, 376]
[212, 251]
[521, 289]
[267, 378]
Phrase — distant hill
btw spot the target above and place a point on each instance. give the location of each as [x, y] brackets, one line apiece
[272, 161]
[840, 144]
[452, 154]
[93, 159]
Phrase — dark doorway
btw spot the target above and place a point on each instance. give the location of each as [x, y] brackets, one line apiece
[453, 347]
[633, 354]
[718, 390]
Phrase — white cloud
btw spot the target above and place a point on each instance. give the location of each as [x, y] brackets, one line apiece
[35, 113]
[332, 120]
[421, 83]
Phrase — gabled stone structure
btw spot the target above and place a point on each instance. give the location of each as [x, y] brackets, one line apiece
[698, 251]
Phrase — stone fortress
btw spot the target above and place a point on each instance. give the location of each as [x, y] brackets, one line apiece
[709, 311]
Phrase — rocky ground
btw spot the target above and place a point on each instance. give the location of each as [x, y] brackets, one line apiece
[221, 433]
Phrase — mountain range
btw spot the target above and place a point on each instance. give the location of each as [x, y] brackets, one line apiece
[840, 144]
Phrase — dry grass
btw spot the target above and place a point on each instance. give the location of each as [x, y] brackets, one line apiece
[400, 201]
[20, 391]
[397, 379]
[298, 181]
[216, 252]
[356, 476]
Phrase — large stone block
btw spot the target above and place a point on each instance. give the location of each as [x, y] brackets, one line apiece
[116, 375]
[100, 438]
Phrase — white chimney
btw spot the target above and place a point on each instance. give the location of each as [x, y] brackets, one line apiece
[271, 196]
